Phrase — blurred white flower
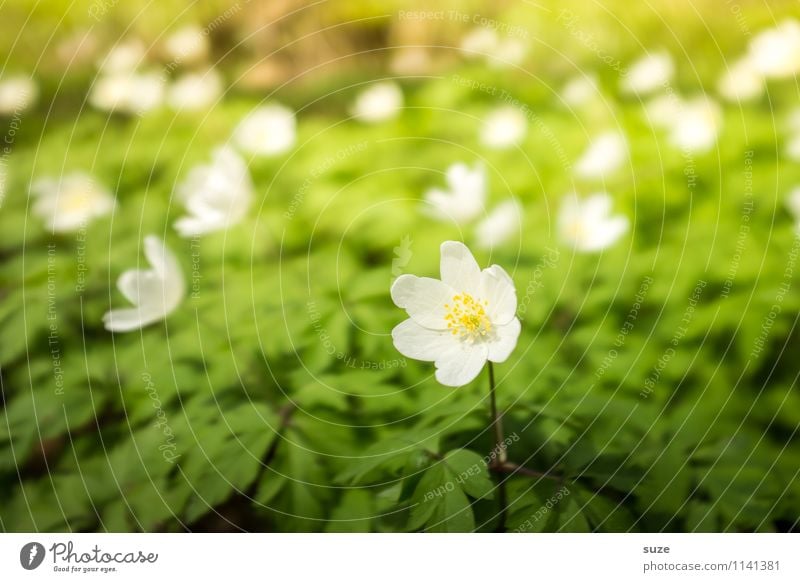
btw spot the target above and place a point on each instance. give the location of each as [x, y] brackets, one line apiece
[131, 92]
[70, 202]
[793, 148]
[465, 196]
[17, 94]
[480, 42]
[380, 102]
[697, 125]
[662, 111]
[216, 196]
[187, 45]
[651, 72]
[741, 82]
[499, 52]
[587, 225]
[269, 130]
[193, 91]
[123, 57]
[504, 127]
[580, 90]
[775, 53]
[460, 321]
[499, 225]
[155, 292]
[607, 152]
[793, 206]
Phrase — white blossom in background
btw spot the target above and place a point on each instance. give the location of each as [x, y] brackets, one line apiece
[587, 225]
[793, 206]
[155, 292]
[70, 202]
[380, 102]
[216, 196]
[662, 111]
[741, 82]
[465, 196]
[793, 148]
[775, 53]
[459, 322]
[132, 92]
[606, 153]
[580, 90]
[269, 130]
[648, 74]
[503, 128]
[17, 94]
[500, 225]
[499, 52]
[187, 45]
[697, 125]
[193, 91]
[124, 57]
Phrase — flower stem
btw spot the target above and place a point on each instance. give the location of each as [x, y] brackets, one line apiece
[500, 450]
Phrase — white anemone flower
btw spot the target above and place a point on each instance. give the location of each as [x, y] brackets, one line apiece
[154, 292]
[460, 321]
[499, 225]
[123, 57]
[503, 128]
[465, 197]
[194, 91]
[580, 90]
[662, 111]
[648, 74]
[499, 52]
[131, 92]
[380, 102]
[187, 45]
[69, 203]
[587, 225]
[741, 82]
[793, 148]
[17, 94]
[269, 130]
[776, 52]
[607, 152]
[697, 125]
[216, 196]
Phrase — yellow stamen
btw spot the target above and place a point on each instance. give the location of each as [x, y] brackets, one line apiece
[466, 318]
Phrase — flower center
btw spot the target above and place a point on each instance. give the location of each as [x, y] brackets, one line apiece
[466, 317]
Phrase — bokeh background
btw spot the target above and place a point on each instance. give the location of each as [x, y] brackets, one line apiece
[653, 387]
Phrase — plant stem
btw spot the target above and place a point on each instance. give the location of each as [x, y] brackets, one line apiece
[497, 421]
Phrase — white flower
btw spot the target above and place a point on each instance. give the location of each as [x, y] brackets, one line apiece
[504, 127]
[194, 91]
[606, 153]
[479, 42]
[70, 202]
[187, 45]
[697, 125]
[587, 225]
[648, 74]
[793, 205]
[662, 111]
[266, 131]
[580, 90]
[380, 102]
[485, 42]
[124, 57]
[793, 148]
[776, 52]
[460, 322]
[216, 196]
[17, 94]
[741, 82]
[465, 197]
[128, 92]
[499, 225]
[155, 292]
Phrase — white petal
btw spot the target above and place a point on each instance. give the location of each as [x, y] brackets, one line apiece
[605, 234]
[136, 284]
[423, 298]
[414, 341]
[458, 268]
[130, 319]
[461, 364]
[501, 223]
[505, 341]
[498, 289]
[168, 269]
